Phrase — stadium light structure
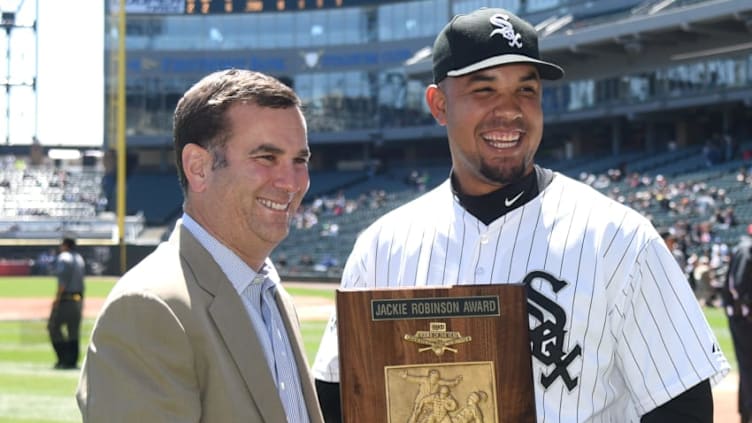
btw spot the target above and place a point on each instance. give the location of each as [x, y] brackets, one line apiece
[9, 22]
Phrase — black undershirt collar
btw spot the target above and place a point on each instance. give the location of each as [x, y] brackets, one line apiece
[491, 206]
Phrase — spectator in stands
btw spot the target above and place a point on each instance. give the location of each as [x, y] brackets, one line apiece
[711, 151]
[703, 276]
[742, 176]
[412, 178]
[703, 233]
[67, 308]
[44, 263]
[306, 260]
[326, 263]
[730, 147]
[725, 218]
[340, 202]
[202, 330]
[674, 247]
[330, 229]
[282, 260]
[615, 175]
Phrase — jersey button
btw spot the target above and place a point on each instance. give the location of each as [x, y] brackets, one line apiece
[480, 271]
[484, 239]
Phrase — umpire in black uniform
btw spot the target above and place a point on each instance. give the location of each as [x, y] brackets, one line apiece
[67, 307]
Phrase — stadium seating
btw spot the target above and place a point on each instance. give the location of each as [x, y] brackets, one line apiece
[156, 195]
[685, 167]
[46, 202]
[667, 187]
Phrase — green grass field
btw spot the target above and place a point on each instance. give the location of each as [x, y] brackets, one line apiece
[32, 392]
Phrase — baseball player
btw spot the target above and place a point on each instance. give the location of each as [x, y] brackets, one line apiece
[616, 333]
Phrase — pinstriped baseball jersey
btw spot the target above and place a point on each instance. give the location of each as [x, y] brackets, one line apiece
[615, 328]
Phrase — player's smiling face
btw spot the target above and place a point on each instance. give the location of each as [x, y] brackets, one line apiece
[250, 195]
[494, 123]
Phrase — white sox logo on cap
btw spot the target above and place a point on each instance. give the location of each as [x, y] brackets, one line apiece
[505, 29]
[484, 39]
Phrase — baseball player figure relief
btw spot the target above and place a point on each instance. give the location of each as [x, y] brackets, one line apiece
[427, 385]
[616, 333]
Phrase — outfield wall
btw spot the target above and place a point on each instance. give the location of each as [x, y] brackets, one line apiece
[28, 259]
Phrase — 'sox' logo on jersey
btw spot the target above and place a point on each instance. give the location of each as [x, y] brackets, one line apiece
[547, 338]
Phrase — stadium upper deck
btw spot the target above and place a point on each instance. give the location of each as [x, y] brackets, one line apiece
[639, 73]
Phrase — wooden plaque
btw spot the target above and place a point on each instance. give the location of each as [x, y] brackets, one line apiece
[435, 355]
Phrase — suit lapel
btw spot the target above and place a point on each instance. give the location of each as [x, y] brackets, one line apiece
[234, 326]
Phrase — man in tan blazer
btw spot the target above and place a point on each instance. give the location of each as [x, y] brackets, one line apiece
[201, 330]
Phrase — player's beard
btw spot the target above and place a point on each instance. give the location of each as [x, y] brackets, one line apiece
[503, 174]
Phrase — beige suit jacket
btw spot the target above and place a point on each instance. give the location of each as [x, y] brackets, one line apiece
[173, 343]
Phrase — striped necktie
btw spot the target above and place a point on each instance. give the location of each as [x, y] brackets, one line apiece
[267, 305]
[284, 369]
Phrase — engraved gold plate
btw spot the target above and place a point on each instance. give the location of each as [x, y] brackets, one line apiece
[437, 338]
[442, 393]
[435, 355]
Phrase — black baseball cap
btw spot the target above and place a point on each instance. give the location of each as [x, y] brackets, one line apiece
[485, 38]
[69, 242]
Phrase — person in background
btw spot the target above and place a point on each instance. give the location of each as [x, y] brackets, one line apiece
[67, 307]
[45, 262]
[736, 294]
[201, 330]
[674, 247]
